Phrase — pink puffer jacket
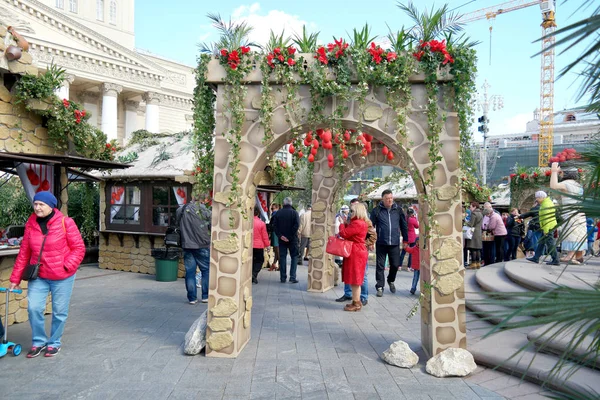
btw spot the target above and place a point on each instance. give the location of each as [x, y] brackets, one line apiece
[63, 251]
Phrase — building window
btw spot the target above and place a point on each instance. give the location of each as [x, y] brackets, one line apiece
[144, 207]
[113, 12]
[100, 10]
[73, 6]
[60, 4]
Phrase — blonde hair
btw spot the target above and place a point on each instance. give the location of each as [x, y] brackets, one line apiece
[359, 211]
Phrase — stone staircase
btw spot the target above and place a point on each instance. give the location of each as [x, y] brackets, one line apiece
[520, 352]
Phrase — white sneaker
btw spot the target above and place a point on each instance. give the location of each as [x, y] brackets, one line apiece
[205, 300]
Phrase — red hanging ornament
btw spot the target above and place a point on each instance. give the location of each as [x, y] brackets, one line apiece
[292, 149]
[390, 156]
[344, 154]
[330, 157]
[311, 158]
[300, 154]
[385, 150]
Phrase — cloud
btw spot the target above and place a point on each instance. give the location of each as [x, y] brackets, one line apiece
[514, 124]
[274, 20]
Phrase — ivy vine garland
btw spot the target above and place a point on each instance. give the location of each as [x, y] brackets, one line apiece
[331, 75]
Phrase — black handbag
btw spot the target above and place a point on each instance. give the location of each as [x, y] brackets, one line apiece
[31, 271]
[173, 236]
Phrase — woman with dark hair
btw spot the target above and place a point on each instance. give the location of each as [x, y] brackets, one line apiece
[53, 241]
[515, 229]
[475, 244]
[260, 243]
[574, 232]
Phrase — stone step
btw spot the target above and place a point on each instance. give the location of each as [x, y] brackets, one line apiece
[493, 279]
[542, 277]
[496, 351]
[474, 298]
[555, 340]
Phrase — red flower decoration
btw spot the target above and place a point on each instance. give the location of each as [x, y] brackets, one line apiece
[66, 103]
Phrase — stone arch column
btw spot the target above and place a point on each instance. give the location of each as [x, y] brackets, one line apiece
[230, 297]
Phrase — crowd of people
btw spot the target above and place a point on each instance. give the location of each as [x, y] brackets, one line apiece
[491, 237]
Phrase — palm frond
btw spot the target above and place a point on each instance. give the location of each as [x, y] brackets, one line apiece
[399, 40]
[232, 35]
[360, 39]
[306, 43]
[275, 41]
[430, 24]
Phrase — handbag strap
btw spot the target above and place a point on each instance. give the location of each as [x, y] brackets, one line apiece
[42, 249]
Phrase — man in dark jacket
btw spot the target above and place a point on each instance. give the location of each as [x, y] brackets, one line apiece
[390, 222]
[285, 224]
[193, 220]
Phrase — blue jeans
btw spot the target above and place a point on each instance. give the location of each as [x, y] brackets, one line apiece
[284, 247]
[364, 288]
[415, 281]
[547, 244]
[37, 293]
[192, 259]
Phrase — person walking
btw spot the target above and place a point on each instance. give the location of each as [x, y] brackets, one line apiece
[53, 241]
[547, 218]
[591, 231]
[353, 270]
[475, 244]
[286, 223]
[416, 263]
[514, 227]
[412, 225]
[390, 223]
[259, 244]
[274, 240]
[534, 233]
[364, 288]
[304, 232]
[194, 222]
[496, 226]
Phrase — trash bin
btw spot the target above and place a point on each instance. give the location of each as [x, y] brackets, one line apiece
[166, 261]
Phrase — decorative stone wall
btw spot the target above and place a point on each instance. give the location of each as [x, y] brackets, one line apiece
[443, 323]
[20, 132]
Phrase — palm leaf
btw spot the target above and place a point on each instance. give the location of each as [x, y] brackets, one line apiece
[306, 43]
[430, 24]
[232, 35]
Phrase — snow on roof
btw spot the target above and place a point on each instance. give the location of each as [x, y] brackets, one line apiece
[170, 156]
[403, 189]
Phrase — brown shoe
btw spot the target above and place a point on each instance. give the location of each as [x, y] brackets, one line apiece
[354, 306]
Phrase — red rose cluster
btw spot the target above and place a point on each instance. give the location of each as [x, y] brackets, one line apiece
[232, 58]
[283, 57]
[434, 46]
[333, 52]
[565, 155]
[79, 114]
[378, 54]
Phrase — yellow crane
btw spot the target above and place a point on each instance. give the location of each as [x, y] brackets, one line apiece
[548, 9]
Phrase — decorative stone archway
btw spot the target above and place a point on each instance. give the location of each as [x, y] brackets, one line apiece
[230, 296]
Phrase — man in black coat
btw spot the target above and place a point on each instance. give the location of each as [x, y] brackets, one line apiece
[285, 224]
[389, 221]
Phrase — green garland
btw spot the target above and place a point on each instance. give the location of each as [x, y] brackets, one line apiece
[204, 127]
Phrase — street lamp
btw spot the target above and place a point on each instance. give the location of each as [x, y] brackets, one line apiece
[484, 102]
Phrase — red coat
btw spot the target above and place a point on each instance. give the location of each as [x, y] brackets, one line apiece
[416, 257]
[63, 251]
[413, 224]
[353, 269]
[261, 239]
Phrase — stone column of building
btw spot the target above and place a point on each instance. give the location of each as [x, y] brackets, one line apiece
[110, 92]
[131, 112]
[89, 101]
[63, 91]
[321, 266]
[152, 100]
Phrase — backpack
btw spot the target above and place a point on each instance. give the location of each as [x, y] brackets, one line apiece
[173, 237]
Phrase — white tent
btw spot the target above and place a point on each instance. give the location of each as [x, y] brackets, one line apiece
[501, 196]
[404, 189]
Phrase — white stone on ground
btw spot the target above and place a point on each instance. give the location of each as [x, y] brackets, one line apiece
[400, 355]
[195, 338]
[451, 362]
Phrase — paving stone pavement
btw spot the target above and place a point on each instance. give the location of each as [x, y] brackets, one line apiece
[125, 331]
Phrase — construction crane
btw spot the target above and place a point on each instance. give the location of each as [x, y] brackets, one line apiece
[546, 135]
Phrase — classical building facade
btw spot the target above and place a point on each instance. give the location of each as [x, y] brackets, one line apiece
[123, 88]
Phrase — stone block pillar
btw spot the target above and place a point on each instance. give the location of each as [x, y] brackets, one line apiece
[110, 92]
[321, 266]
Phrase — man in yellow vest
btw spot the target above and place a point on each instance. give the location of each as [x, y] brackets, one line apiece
[547, 218]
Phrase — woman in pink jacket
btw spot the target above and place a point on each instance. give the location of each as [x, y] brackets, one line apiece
[59, 258]
[496, 226]
[260, 243]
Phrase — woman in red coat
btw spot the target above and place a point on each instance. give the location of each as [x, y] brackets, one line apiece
[353, 269]
[259, 244]
[53, 240]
